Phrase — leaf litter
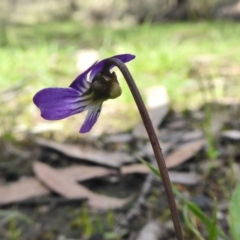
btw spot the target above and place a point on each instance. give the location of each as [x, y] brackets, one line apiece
[69, 189]
[182, 142]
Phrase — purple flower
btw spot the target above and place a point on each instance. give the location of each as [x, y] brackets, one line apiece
[87, 92]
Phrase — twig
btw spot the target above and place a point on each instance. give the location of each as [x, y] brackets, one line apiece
[147, 186]
[141, 201]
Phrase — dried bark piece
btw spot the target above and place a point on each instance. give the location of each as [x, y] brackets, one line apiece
[183, 153]
[70, 189]
[88, 153]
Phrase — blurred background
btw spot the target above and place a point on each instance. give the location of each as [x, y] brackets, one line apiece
[188, 50]
[48, 43]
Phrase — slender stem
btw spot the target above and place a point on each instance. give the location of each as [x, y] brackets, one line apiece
[153, 139]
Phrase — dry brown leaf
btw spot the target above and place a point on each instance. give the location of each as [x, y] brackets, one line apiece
[21, 190]
[135, 168]
[184, 152]
[70, 189]
[83, 173]
[88, 153]
[30, 187]
[191, 178]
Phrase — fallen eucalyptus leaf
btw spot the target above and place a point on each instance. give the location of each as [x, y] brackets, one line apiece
[31, 187]
[87, 153]
[191, 178]
[22, 190]
[183, 153]
[70, 189]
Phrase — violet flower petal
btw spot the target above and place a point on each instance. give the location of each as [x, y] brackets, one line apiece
[59, 103]
[91, 118]
[80, 83]
[98, 66]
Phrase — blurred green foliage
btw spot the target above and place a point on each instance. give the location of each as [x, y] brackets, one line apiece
[45, 55]
[191, 208]
[47, 52]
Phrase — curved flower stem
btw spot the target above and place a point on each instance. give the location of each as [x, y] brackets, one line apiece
[153, 139]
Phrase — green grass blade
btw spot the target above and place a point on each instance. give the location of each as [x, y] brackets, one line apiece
[213, 231]
[234, 209]
[15, 215]
[152, 168]
[208, 222]
[189, 224]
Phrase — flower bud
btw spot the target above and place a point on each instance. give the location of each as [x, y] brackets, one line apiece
[105, 87]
